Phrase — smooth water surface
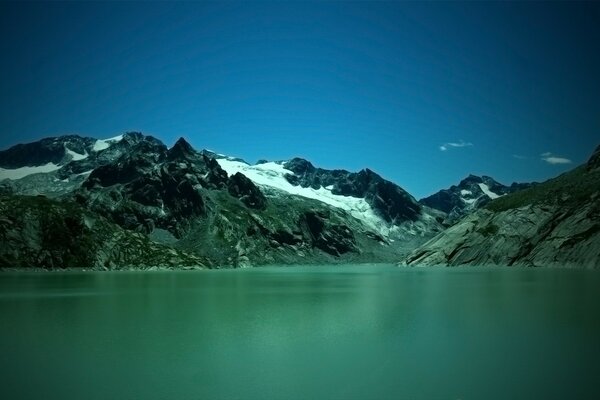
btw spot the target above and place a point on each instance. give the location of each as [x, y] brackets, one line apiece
[352, 332]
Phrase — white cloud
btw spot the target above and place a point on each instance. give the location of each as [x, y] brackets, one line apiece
[554, 160]
[519, 157]
[462, 143]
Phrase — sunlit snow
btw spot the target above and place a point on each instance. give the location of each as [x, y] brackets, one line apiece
[18, 173]
[485, 189]
[103, 144]
[272, 174]
[76, 156]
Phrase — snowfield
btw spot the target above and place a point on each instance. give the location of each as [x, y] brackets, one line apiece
[76, 156]
[102, 144]
[485, 189]
[18, 173]
[272, 175]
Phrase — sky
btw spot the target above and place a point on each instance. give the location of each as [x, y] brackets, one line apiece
[422, 93]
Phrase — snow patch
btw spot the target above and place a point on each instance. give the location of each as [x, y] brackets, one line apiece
[76, 156]
[103, 144]
[86, 173]
[486, 189]
[465, 192]
[18, 173]
[272, 174]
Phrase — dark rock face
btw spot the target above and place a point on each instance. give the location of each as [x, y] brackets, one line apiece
[468, 195]
[445, 200]
[594, 161]
[182, 151]
[241, 187]
[389, 200]
[216, 177]
[334, 239]
[49, 150]
[392, 202]
[149, 187]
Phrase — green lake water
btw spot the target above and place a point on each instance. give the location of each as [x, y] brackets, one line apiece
[343, 332]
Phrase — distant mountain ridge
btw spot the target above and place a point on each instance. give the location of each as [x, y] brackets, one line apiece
[220, 207]
[470, 194]
[132, 202]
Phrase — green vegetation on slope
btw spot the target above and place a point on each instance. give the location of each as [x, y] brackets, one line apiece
[570, 190]
[37, 232]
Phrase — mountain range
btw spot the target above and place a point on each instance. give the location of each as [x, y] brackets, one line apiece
[132, 202]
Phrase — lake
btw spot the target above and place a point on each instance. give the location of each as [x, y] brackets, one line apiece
[326, 332]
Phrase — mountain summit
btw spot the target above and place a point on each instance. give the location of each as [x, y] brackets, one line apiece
[470, 194]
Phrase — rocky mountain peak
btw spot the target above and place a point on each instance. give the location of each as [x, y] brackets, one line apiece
[472, 193]
[181, 150]
[55, 150]
[470, 180]
[299, 166]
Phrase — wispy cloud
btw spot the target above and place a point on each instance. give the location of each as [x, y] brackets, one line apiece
[553, 159]
[519, 157]
[449, 145]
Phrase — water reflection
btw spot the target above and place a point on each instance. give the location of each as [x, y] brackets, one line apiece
[328, 332]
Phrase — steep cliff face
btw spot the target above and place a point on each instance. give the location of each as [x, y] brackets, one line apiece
[556, 223]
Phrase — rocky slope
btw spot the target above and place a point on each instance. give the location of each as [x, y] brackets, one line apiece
[57, 166]
[218, 207]
[556, 223]
[37, 232]
[472, 193]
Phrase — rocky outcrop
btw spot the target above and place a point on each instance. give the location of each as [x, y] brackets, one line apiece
[151, 187]
[241, 187]
[528, 236]
[553, 224]
[36, 232]
[335, 239]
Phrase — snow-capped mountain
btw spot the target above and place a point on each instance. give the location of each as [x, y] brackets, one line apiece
[221, 207]
[58, 165]
[52, 154]
[470, 194]
[381, 205]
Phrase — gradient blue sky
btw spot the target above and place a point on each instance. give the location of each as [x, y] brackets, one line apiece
[345, 85]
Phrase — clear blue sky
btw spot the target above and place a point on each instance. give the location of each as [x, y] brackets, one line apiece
[345, 85]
